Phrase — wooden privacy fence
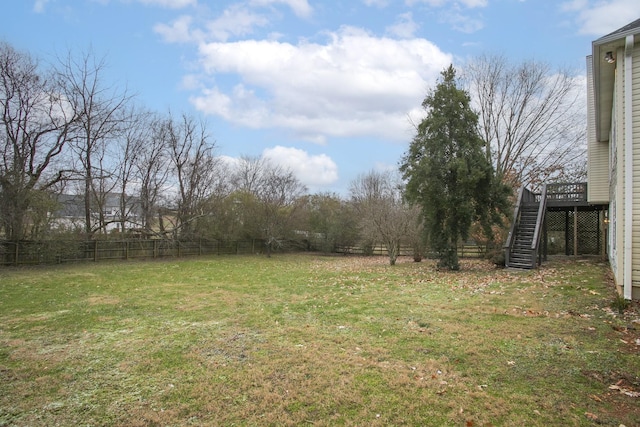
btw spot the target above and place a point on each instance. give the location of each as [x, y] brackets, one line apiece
[60, 251]
[465, 250]
[63, 251]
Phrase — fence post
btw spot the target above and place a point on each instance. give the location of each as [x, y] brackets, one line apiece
[17, 252]
[575, 231]
[95, 251]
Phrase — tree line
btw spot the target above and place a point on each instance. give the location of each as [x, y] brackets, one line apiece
[67, 131]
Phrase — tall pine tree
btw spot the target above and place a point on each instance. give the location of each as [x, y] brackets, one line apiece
[447, 172]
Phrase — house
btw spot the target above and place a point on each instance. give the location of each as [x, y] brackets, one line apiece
[70, 214]
[613, 88]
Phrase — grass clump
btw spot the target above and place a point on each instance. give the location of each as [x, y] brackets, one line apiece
[620, 303]
[302, 339]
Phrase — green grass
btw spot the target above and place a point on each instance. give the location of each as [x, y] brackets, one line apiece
[311, 340]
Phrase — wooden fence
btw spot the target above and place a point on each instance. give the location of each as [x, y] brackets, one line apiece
[60, 251]
[465, 250]
[64, 251]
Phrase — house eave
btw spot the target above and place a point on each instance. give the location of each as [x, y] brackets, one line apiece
[603, 84]
[604, 75]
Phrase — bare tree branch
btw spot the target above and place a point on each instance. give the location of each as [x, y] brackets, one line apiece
[531, 117]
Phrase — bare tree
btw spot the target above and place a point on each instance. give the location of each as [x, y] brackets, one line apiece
[330, 220]
[249, 173]
[100, 110]
[269, 195]
[104, 186]
[531, 116]
[384, 216]
[132, 146]
[36, 126]
[278, 192]
[151, 167]
[195, 166]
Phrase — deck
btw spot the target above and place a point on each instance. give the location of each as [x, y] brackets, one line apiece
[526, 243]
[565, 196]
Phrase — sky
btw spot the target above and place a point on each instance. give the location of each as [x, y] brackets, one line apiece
[330, 89]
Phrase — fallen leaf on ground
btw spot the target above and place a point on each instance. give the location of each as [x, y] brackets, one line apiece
[591, 416]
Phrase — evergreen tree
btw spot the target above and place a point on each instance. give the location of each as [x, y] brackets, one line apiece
[447, 172]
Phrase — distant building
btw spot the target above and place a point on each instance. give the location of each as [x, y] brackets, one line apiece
[71, 213]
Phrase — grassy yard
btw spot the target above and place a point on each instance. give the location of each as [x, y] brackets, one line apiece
[312, 340]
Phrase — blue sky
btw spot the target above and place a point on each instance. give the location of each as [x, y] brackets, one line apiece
[327, 88]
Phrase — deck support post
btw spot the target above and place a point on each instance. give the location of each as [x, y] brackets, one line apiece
[575, 231]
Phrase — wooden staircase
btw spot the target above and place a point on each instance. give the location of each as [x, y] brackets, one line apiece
[521, 248]
[521, 253]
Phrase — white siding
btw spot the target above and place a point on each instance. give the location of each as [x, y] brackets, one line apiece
[597, 152]
[636, 170]
[617, 175]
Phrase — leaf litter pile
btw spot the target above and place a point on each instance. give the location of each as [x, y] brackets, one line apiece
[305, 339]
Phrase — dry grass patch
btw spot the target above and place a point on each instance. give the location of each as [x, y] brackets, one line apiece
[296, 340]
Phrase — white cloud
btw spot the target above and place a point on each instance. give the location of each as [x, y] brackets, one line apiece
[462, 22]
[39, 5]
[171, 4]
[574, 5]
[456, 13]
[475, 3]
[354, 85]
[455, 3]
[405, 27]
[376, 3]
[602, 17]
[236, 20]
[178, 31]
[230, 162]
[312, 170]
[300, 7]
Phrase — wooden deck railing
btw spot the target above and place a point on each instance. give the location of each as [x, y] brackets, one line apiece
[552, 195]
[567, 194]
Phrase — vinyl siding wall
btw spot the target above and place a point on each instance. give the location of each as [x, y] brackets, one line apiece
[636, 169]
[597, 152]
[617, 168]
[616, 225]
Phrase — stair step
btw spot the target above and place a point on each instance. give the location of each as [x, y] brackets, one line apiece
[521, 247]
[521, 266]
[521, 255]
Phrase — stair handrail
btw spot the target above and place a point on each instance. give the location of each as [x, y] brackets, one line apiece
[516, 211]
[542, 208]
